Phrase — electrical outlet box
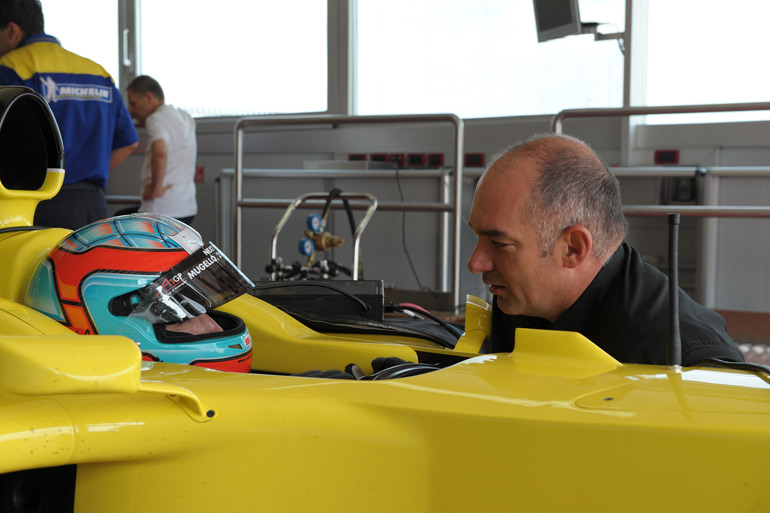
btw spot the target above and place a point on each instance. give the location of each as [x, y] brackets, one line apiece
[415, 160]
[435, 160]
[475, 160]
[666, 157]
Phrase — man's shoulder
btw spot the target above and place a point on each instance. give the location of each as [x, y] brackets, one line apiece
[704, 333]
[174, 111]
[46, 57]
[77, 64]
[631, 283]
[21, 60]
[159, 118]
[169, 117]
[640, 304]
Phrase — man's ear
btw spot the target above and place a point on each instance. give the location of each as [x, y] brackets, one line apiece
[576, 245]
[15, 34]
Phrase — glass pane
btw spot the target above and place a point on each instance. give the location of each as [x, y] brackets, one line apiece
[707, 55]
[482, 59]
[94, 36]
[233, 57]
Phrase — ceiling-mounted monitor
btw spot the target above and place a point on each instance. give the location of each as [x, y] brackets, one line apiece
[556, 18]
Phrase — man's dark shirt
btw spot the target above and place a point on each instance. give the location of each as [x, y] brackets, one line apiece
[625, 312]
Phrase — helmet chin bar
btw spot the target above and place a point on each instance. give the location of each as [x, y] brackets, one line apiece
[201, 282]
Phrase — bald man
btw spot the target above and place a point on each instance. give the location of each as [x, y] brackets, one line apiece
[550, 229]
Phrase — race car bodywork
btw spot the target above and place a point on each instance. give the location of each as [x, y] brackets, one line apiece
[557, 425]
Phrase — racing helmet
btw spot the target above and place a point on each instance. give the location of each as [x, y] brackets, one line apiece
[150, 278]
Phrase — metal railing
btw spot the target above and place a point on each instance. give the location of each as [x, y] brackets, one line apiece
[558, 120]
[709, 211]
[334, 121]
[697, 211]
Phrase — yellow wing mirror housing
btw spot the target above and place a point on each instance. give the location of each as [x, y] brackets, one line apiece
[478, 325]
[31, 155]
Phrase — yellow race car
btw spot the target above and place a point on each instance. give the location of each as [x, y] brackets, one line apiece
[95, 422]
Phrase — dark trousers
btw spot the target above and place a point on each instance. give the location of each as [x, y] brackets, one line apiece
[75, 206]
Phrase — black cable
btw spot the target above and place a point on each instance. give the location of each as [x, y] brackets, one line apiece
[365, 307]
[406, 249]
[333, 194]
[403, 234]
[447, 325]
[329, 198]
[351, 220]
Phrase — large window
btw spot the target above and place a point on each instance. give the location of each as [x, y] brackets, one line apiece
[707, 52]
[475, 58]
[482, 59]
[231, 57]
[87, 28]
[223, 58]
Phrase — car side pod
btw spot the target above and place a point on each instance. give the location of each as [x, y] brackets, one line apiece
[31, 155]
[48, 365]
[34, 370]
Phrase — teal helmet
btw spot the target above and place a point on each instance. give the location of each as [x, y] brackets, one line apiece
[150, 278]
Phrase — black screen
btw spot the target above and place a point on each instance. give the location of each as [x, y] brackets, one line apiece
[553, 13]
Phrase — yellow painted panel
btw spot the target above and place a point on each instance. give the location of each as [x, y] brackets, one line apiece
[36, 432]
[21, 253]
[63, 365]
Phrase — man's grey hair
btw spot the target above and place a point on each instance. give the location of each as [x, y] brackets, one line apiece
[573, 187]
[146, 84]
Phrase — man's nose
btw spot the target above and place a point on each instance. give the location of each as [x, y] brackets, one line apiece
[478, 262]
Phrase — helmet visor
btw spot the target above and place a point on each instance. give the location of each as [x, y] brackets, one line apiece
[201, 282]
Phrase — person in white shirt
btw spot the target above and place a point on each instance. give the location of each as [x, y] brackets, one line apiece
[168, 172]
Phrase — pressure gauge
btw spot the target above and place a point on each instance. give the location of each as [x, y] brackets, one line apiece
[314, 223]
[306, 246]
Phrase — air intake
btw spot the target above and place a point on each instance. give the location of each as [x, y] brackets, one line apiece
[30, 142]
